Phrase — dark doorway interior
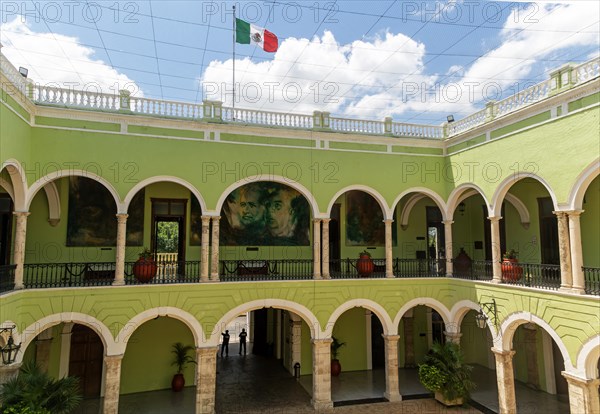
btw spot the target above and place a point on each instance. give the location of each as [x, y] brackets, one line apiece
[6, 209]
[334, 239]
[377, 343]
[548, 231]
[86, 360]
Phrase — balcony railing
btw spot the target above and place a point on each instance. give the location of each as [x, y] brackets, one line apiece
[54, 275]
[592, 280]
[7, 277]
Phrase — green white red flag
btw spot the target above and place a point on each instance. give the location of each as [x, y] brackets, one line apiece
[247, 33]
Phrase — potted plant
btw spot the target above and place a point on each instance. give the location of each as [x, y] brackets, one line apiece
[180, 359]
[336, 367]
[445, 373]
[511, 271]
[145, 267]
[365, 265]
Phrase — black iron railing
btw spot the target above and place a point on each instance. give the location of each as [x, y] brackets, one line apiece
[476, 270]
[592, 280]
[544, 276]
[7, 277]
[162, 273]
[349, 269]
[46, 275]
[251, 270]
[420, 268]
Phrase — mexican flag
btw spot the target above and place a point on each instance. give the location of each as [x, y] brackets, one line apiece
[247, 33]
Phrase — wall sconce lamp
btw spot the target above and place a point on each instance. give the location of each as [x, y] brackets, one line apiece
[23, 71]
[481, 318]
[9, 351]
[450, 118]
[461, 208]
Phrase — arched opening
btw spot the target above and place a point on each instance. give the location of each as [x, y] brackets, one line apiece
[356, 226]
[265, 232]
[590, 228]
[274, 368]
[6, 218]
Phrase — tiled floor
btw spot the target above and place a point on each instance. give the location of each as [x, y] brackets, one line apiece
[254, 384]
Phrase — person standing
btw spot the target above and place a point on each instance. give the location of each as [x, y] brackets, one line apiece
[225, 344]
[243, 336]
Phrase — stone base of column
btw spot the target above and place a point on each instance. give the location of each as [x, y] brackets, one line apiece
[565, 289]
[118, 283]
[392, 397]
[578, 291]
[322, 405]
[18, 287]
[8, 372]
[496, 281]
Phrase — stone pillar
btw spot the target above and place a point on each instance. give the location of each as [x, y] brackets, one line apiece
[296, 343]
[204, 252]
[496, 254]
[533, 377]
[566, 277]
[449, 254]
[43, 343]
[321, 396]
[206, 379]
[120, 253]
[8, 372]
[409, 341]
[583, 394]
[214, 275]
[19, 250]
[453, 337]
[317, 248]
[392, 385]
[325, 258]
[389, 254]
[576, 252]
[506, 381]
[112, 383]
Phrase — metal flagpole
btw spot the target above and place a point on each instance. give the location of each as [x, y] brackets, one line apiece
[233, 114]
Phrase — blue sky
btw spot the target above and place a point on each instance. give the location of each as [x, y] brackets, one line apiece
[414, 61]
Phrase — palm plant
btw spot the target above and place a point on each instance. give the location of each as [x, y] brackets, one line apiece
[444, 371]
[34, 391]
[181, 357]
[335, 347]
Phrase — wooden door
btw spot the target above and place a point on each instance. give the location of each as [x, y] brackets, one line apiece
[86, 360]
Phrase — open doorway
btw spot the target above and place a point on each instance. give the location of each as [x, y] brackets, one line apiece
[5, 228]
[168, 235]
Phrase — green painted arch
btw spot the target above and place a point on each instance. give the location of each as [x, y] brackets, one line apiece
[581, 185]
[432, 194]
[162, 179]
[455, 198]
[503, 188]
[376, 308]
[18, 181]
[387, 212]
[588, 357]
[432, 303]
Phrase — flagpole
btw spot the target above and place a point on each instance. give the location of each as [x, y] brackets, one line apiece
[233, 115]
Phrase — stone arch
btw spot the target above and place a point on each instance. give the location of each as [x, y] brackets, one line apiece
[587, 358]
[423, 190]
[430, 302]
[461, 193]
[53, 203]
[300, 310]
[158, 179]
[7, 185]
[39, 184]
[376, 308]
[460, 310]
[504, 186]
[581, 184]
[134, 323]
[19, 184]
[32, 331]
[514, 320]
[387, 213]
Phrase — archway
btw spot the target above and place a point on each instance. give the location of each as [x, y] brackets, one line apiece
[590, 228]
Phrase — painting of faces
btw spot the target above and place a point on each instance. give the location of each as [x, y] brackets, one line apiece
[364, 220]
[265, 214]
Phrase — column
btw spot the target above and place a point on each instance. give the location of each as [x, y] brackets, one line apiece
[120, 253]
[19, 251]
[43, 343]
[453, 337]
[583, 394]
[449, 253]
[321, 397]
[112, 383]
[506, 381]
[325, 259]
[317, 248]
[576, 251]
[533, 378]
[8, 372]
[214, 275]
[392, 385]
[566, 277]
[409, 340]
[389, 256]
[496, 254]
[204, 252]
[296, 342]
[206, 379]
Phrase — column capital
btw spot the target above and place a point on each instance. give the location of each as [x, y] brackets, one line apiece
[386, 221]
[122, 217]
[207, 350]
[574, 213]
[326, 219]
[206, 217]
[503, 353]
[215, 218]
[575, 379]
[21, 213]
[391, 338]
[494, 218]
[448, 221]
[560, 213]
[317, 220]
[321, 341]
[113, 357]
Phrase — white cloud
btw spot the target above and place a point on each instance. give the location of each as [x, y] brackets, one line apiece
[60, 60]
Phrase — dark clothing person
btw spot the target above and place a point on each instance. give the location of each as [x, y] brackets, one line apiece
[243, 336]
[225, 344]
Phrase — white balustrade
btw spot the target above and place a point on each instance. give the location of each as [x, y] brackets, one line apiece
[360, 126]
[49, 95]
[526, 97]
[417, 131]
[171, 109]
[478, 118]
[586, 71]
[254, 117]
[13, 75]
